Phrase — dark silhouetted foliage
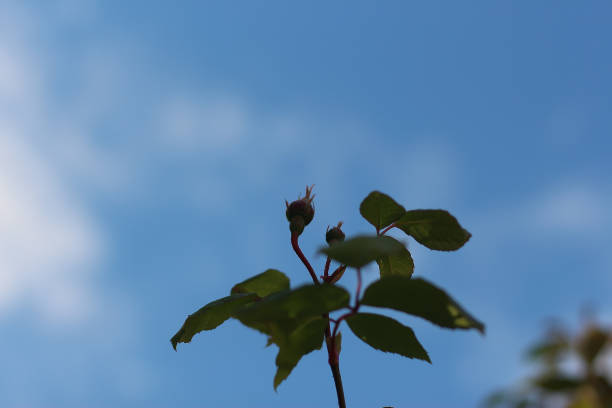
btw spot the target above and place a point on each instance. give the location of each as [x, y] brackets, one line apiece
[297, 320]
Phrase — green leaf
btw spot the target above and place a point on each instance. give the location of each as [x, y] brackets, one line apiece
[279, 314]
[264, 284]
[557, 383]
[211, 316]
[267, 328]
[496, 399]
[420, 298]
[523, 403]
[436, 229]
[396, 264]
[548, 351]
[384, 333]
[304, 339]
[380, 210]
[277, 331]
[361, 250]
[592, 342]
[507, 399]
[305, 301]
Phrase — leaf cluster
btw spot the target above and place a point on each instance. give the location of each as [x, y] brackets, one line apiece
[297, 320]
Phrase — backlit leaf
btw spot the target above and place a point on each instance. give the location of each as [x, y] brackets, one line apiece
[557, 383]
[305, 301]
[264, 284]
[362, 250]
[436, 229]
[396, 264]
[380, 210]
[211, 316]
[386, 334]
[420, 298]
[304, 339]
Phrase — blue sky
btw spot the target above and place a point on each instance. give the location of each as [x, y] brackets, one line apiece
[147, 149]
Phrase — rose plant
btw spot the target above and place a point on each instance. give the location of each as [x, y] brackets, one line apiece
[298, 320]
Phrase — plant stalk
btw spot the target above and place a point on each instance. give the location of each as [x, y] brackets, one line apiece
[387, 229]
[334, 365]
[335, 368]
[333, 356]
[326, 270]
[300, 254]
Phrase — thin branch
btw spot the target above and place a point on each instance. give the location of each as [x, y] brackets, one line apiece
[335, 368]
[300, 254]
[332, 353]
[337, 274]
[353, 310]
[339, 320]
[333, 360]
[326, 271]
[357, 301]
[387, 229]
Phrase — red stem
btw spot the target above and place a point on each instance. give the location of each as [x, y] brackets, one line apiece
[340, 269]
[333, 356]
[326, 271]
[387, 229]
[298, 251]
[334, 365]
[337, 324]
[358, 288]
[354, 309]
[335, 368]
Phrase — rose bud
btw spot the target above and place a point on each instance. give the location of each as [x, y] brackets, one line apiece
[335, 234]
[300, 212]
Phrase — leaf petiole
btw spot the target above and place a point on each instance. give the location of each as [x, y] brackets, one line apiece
[387, 229]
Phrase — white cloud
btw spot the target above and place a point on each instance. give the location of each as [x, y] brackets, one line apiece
[48, 242]
[14, 77]
[432, 173]
[75, 10]
[49, 239]
[209, 124]
[571, 208]
[52, 246]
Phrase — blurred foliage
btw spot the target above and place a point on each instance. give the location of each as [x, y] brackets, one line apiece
[573, 370]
